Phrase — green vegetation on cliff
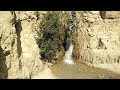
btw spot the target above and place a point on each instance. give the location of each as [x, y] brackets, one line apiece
[53, 34]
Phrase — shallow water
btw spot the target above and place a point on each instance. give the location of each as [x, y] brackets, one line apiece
[81, 71]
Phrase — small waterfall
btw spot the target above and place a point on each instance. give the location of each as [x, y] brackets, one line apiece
[68, 55]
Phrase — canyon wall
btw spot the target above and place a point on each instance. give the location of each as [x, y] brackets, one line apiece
[97, 37]
[20, 53]
[19, 50]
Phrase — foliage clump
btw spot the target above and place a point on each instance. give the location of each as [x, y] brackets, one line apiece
[52, 37]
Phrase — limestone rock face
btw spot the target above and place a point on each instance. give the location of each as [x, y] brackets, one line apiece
[97, 40]
[19, 52]
[7, 45]
[30, 63]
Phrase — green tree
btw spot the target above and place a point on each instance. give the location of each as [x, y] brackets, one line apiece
[52, 38]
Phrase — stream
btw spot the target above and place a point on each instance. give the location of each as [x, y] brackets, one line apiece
[67, 69]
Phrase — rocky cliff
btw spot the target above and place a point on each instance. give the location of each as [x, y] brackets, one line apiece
[19, 49]
[18, 44]
[97, 37]
[25, 45]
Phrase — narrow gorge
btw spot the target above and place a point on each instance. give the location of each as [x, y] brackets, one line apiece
[59, 45]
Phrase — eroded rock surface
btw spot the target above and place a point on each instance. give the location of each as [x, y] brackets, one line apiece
[18, 44]
[97, 38]
[96, 41]
[19, 51]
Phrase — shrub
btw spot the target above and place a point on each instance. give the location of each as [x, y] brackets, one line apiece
[52, 37]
